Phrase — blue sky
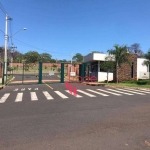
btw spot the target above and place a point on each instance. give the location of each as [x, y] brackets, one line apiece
[65, 27]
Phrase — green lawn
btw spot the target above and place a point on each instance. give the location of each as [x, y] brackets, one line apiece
[128, 85]
[35, 70]
[9, 77]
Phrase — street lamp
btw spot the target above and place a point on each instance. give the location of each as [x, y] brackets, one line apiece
[6, 41]
[19, 31]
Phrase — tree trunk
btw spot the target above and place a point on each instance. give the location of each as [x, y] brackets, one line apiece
[117, 72]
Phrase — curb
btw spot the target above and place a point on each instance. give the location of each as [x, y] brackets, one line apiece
[105, 85]
[95, 84]
[3, 86]
[123, 87]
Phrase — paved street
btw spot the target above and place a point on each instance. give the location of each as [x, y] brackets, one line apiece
[35, 117]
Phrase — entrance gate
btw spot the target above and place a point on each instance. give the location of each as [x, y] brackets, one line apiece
[49, 73]
[24, 73]
[39, 73]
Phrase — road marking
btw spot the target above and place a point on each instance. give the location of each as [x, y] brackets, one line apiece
[74, 94]
[23, 89]
[3, 99]
[138, 90]
[110, 92]
[61, 94]
[147, 143]
[48, 85]
[132, 92]
[29, 89]
[33, 96]
[47, 95]
[88, 94]
[97, 92]
[120, 92]
[36, 89]
[19, 97]
[15, 89]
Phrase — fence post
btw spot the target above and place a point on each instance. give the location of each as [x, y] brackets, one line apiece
[40, 73]
[3, 74]
[62, 73]
[23, 73]
[82, 71]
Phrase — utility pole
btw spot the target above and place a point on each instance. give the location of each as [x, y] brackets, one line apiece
[6, 39]
[6, 42]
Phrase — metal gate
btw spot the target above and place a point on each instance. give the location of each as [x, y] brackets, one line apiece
[24, 73]
[51, 72]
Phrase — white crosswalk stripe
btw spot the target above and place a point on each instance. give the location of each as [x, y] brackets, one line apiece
[142, 91]
[47, 95]
[131, 91]
[19, 97]
[3, 99]
[33, 96]
[85, 92]
[88, 94]
[61, 94]
[109, 92]
[97, 92]
[120, 92]
[74, 94]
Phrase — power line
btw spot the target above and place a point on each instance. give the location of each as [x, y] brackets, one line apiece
[40, 48]
[3, 9]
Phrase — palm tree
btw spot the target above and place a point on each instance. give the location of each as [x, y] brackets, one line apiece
[120, 56]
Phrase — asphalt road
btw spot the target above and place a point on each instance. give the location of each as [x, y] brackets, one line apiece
[34, 121]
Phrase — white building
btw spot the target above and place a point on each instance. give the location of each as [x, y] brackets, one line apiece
[94, 60]
[142, 70]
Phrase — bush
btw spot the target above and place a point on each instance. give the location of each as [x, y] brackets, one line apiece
[58, 69]
[9, 68]
[130, 82]
[142, 82]
[45, 67]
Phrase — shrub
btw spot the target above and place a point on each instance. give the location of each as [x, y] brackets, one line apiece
[142, 82]
[9, 68]
[58, 69]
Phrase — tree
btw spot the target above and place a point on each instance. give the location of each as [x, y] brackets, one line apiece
[31, 57]
[120, 56]
[53, 61]
[97, 52]
[17, 57]
[108, 65]
[147, 62]
[78, 57]
[1, 53]
[45, 57]
[135, 49]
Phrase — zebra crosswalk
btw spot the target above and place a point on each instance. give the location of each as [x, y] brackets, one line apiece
[66, 94]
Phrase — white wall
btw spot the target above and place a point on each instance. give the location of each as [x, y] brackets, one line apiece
[99, 56]
[140, 67]
[94, 57]
[102, 76]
